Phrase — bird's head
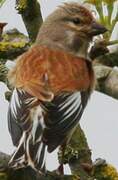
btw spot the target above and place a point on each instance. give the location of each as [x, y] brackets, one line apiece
[70, 27]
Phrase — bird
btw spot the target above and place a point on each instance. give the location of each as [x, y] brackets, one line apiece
[52, 83]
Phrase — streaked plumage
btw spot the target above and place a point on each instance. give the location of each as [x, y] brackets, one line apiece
[53, 82]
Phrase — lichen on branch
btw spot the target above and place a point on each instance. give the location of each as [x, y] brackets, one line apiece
[31, 15]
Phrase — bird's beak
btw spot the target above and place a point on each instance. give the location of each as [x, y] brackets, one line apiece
[97, 29]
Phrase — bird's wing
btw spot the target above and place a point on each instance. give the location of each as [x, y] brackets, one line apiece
[19, 118]
[63, 115]
[25, 123]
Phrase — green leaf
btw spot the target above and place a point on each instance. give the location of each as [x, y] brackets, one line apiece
[2, 2]
[99, 8]
[93, 2]
[109, 1]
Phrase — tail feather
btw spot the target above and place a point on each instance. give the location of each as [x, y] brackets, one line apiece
[36, 154]
[31, 149]
[29, 154]
[41, 156]
[19, 158]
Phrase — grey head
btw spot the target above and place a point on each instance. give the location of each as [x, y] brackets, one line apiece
[71, 28]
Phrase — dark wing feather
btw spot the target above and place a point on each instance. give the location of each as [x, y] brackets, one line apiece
[63, 115]
[26, 130]
[18, 114]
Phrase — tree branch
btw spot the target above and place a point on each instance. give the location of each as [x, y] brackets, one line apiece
[13, 44]
[31, 15]
[101, 170]
[107, 80]
[78, 155]
[109, 59]
[26, 173]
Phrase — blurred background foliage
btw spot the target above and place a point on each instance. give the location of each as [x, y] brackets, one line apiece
[107, 15]
[2, 2]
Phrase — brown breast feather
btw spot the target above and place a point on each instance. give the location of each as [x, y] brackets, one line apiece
[44, 72]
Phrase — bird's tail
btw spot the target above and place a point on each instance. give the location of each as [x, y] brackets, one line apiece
[29, 154]
[36, 155]
[19, 158]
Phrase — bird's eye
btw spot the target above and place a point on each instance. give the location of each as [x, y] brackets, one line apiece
[76, 21]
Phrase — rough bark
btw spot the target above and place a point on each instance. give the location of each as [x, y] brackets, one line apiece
[107, 80]
[3, 73]
[108, 59]
[31, 15]
[101, 170]
[27, 173]
[78, 155]
[13, 44]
